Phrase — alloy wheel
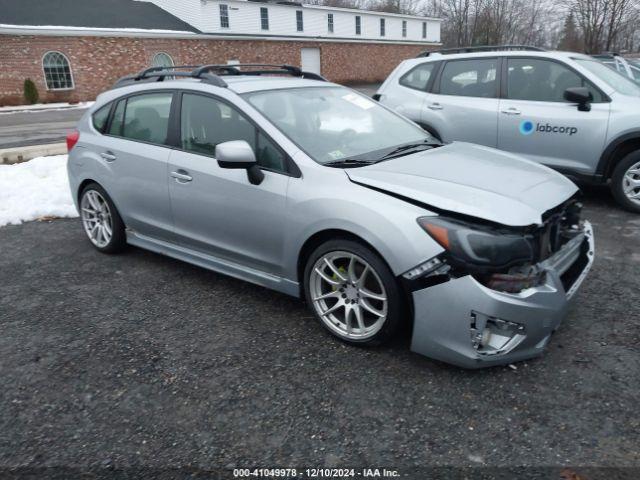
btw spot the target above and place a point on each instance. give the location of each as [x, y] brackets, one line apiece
[96, 218]
[631, 183]
[348, 295]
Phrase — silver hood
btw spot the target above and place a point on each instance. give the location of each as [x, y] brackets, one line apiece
[473, 180]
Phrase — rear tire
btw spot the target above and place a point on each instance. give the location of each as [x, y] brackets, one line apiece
[101, 221]
[353, 293]
[625, 182]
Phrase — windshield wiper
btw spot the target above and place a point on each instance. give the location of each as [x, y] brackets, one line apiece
[407, 149]
[348, 162]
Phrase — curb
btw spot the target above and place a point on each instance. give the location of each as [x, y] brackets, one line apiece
[10, 156]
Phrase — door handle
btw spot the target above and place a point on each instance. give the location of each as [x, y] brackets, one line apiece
[511, 111]
[181, 176]
[435, 106]
[108, 156]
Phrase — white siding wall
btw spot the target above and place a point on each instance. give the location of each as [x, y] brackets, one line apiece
[189, 11]
[244, 19]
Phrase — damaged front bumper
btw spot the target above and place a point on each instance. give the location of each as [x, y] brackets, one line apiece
[470, 325]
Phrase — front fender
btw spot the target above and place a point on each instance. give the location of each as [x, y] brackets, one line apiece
[388, 224]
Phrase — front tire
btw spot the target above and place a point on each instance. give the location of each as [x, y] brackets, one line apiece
[353, 293]
[625, 182]
[101, 221]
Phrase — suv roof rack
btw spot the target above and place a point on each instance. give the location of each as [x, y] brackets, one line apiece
[606, 55]
[481, 48]
[212, 73]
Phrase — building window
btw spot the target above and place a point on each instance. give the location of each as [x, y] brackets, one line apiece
[424, 29]
[264, 18]
[162, 60]
[330, 22]
[224, 16]
[57, 71]
[382, 27]
[358, 25]
[404, 28]
[299, 23]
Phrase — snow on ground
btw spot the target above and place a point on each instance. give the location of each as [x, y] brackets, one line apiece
[34, 189]
[38, 107]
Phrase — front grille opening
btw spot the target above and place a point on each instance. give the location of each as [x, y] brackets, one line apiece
[569, 277]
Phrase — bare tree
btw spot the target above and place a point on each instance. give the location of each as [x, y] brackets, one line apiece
[602, 21]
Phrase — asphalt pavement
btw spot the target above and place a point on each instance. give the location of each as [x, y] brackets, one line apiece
[137, 362]
[21, 129]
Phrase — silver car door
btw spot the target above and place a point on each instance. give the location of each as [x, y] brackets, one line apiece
[537, 122]
[133, 151]
[216, 210]
[464, 103]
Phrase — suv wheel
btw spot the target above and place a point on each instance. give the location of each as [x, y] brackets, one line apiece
[101, 220]
[625, 182]
[353, 293]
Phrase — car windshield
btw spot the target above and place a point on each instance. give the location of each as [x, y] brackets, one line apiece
[611, 77]
[333, 124]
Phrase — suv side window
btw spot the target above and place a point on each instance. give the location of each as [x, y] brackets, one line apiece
[418, 77]
[146, 117]
[206, 122]
[470, 78]
[543, 80]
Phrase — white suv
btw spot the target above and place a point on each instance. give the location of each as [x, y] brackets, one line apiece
[566, 110]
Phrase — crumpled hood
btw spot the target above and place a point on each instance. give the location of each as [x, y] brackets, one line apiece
[472, 180]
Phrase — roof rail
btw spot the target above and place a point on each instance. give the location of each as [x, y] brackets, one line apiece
[212, 73]
[258, 69]
[607, 54]
[144, 73]
[481, 48]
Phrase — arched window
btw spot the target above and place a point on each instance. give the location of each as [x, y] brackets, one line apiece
[162, 60]
[57, 71]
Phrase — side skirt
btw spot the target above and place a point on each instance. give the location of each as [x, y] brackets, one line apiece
[214, 263]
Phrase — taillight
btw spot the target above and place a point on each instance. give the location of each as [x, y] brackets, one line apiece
[72, 139]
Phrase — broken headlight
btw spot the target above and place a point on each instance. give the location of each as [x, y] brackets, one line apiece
[478, 245]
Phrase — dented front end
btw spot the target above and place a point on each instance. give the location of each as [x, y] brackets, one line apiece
[474, 313]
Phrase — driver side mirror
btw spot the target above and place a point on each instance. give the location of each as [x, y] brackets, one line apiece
[580, 95]
[238, 154]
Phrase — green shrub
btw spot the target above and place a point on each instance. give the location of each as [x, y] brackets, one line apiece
[30, 92]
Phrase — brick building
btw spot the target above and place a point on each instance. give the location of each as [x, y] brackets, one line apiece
[74, 50]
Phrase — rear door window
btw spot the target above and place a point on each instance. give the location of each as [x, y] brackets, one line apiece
[418, 77]
[470, 78]
[118, 119]
[146, 117]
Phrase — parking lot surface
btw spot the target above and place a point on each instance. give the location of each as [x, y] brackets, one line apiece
[140, 360]
[38, 127]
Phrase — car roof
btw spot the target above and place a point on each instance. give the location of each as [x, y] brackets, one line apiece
[237, 84]
[250, 83]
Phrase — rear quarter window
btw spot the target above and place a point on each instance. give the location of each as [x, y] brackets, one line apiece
[418, 77]
[101, 117]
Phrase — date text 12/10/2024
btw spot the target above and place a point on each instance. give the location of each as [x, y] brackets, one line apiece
[314, 473]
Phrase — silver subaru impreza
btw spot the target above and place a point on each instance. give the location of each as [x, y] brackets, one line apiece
[277, 177]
